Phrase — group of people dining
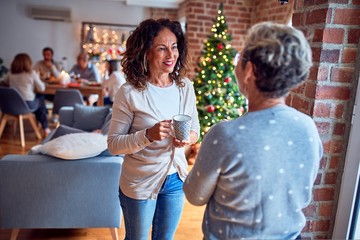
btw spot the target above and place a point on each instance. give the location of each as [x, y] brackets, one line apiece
[254, 173]
[30, 80]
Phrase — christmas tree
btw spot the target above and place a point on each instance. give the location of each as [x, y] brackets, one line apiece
[217, 93]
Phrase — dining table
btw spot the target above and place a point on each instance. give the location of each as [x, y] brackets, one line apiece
[85, 90]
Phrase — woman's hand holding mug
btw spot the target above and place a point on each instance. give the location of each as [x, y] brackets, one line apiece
[159, 131]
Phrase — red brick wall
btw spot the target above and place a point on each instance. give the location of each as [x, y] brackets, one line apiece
[272, 11]
[327, 96]
[171, 14]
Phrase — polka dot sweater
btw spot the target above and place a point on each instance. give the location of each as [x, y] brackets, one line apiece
[255, 174]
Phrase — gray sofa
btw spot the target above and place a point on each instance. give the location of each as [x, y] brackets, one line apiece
[40, 191]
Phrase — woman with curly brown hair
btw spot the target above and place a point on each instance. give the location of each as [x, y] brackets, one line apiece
[154, 165]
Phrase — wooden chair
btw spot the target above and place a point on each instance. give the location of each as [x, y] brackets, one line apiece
[14, 107]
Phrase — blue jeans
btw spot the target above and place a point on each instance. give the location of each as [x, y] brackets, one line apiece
[163, 213]
[41, 112]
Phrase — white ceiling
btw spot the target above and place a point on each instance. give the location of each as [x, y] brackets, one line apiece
[153, 3]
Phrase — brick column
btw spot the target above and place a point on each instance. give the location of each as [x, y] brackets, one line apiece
[328, 96]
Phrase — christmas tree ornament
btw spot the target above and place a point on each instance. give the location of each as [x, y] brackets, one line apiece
[220, 46]
[209, 96]
[227, 79]
[210, 108]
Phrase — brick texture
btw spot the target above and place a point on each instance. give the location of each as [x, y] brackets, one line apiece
[354, 36]
[347, 16]
[349, 55]
[333, 35]
[334, 29]
[325, 209]
[322, 110]
[342, 74]
[333, 92]
[171, 14]
[317, 16]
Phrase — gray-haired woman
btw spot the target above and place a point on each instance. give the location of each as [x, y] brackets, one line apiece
[255, 173]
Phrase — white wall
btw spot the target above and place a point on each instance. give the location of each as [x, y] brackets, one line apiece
[20, 33]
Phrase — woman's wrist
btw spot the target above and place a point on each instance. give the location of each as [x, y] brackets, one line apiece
[147, 136]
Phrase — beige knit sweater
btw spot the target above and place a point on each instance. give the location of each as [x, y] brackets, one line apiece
[146, 163]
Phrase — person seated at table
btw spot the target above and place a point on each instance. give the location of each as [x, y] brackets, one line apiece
[114, 82]
[23, 78]
[84, 69]
[47, 68]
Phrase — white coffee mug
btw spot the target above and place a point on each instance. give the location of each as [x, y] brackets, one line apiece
[182, 125]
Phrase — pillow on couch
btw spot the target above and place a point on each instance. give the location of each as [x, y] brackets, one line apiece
[63, 130]
[89, 118]
[74, 146]
[57, 132]
[60, 131]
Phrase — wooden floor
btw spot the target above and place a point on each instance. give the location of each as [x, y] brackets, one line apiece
[189, 227]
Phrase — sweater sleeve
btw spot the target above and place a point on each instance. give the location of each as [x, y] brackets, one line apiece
[201, 182]
[38, 84]
[55, 71]
[120, 141]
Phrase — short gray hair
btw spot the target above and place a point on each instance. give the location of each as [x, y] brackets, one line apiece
[281, 56]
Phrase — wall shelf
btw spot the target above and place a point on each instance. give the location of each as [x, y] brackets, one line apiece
[104, 41]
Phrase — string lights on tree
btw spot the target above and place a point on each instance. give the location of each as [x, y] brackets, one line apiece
[217, 93]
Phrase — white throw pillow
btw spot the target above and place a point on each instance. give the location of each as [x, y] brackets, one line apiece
[74, 146]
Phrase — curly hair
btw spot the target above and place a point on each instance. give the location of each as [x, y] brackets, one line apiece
[140, 41]
[21, 63]
[281, 57]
